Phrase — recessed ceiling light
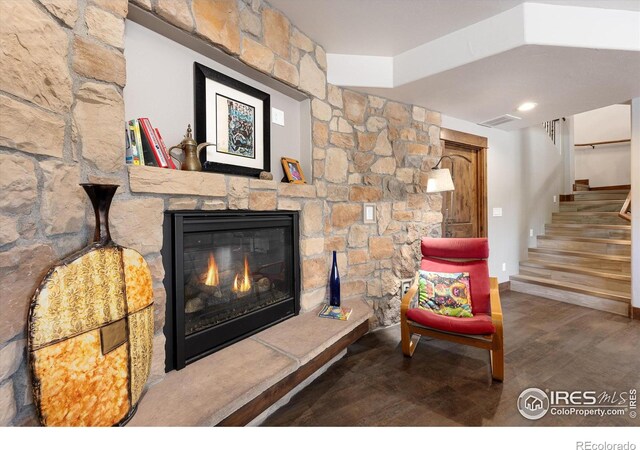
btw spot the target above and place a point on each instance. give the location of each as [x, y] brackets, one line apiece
[527, 106]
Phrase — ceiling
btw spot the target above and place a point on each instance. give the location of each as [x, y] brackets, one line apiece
[562, 76]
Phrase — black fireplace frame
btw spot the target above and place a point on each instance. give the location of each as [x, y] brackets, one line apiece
[181, 350]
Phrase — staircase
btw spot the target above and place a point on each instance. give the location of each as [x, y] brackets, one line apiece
[584, 257]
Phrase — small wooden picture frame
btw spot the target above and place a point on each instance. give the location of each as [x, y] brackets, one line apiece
[292, 170]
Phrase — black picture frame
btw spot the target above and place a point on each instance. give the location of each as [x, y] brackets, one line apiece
[202, 97]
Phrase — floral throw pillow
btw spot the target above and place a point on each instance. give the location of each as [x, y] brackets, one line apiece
[447, 294]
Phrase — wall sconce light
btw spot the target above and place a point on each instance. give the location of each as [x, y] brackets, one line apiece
[441, 180]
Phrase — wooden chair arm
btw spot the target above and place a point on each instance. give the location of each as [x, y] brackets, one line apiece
[406, 298]
[496, 307]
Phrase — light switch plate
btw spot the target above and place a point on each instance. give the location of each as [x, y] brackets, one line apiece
[497, 212]
[405, 285]
[277, 116]
[531, 232]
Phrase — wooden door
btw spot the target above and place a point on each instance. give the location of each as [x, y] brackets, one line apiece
[467, 213]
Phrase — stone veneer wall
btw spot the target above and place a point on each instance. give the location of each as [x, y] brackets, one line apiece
[62, 72]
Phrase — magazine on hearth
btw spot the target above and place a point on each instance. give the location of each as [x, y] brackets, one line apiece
[335, 312]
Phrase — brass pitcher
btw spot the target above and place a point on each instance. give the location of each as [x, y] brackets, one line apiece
[190, 152]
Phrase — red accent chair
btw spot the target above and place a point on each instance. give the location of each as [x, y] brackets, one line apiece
[484, 329]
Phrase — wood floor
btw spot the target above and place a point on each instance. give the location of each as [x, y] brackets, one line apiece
[549, 345]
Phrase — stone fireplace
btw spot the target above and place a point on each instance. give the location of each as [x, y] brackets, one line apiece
[229, 274]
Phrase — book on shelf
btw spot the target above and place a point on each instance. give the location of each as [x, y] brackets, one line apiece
[128, 155]
[136, 152]
[164, 149]
[150, 142]
[335, 312]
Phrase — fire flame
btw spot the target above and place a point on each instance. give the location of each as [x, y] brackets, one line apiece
[212, 273]
[242, 284]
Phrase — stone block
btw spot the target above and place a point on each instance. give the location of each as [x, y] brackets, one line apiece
[365, 193]
[106, 27]
[408, 134]
[374, 288]
[30, 129]
[376, 102]
[362, 270]
[358, 235]
[92, 60]
[34, 63]
[336, 166]
[255, 183]
[311, 220]
[312, 79]
[381, 247]
[352, 288]
[137, 223]
[398, 114]
[319, 153]
[301, 41]
[384, 166]
[310, 299]
[182, 203]
[117, 7]
[417, 149]
[22, 268]
[342, 140]
[315, 273]
[147, 179]
[337, 193]
[250, 22]
[296, 190]
[7, 404]
[335, 96]
[418, 113]
[344, 215]
[218, 21]
[8, 229]
[355, 106]
[286, 72]
[18, 184]
[11, 356]
[313, 246]
[320, 134]
[318, 168]
[434, 117]
[383, 145]
[335, 243]
[262, 201]
[276, 31]
[257, 55]
[366, 141]
[376, 124]
[287, 204]
[214, 205]
[321, 110]
[405, 174]
[62, 207]
[99, 115]
[362, 161]
[65, 10]
[321, 57]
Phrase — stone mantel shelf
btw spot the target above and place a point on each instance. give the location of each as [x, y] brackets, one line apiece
[209, 390]
[155, 180]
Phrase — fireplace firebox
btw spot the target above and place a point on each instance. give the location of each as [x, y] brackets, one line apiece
[229, 274]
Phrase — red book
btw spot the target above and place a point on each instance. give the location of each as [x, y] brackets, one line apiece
[164, 150]
[153, 142]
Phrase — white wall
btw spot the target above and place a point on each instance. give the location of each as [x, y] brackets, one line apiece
[525, 171]
[160, 87]
[604, 165]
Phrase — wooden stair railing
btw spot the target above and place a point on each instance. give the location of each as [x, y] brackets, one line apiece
[625, 212]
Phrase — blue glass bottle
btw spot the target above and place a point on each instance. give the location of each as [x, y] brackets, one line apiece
[334, 283]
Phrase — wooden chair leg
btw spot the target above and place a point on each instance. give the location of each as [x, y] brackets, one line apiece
[497, 358]
[409, 344]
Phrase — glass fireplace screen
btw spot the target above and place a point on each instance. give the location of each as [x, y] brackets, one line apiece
[228, 274]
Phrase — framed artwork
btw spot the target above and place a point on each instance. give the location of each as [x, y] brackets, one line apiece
[235, 118]
[292, 170]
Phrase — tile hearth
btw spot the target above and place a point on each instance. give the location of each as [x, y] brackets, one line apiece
[209, 390]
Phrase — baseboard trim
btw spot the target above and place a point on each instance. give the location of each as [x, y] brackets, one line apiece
[619, 187]
[635, 312]
[567, 197]
[506, 286]
[245, 414]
